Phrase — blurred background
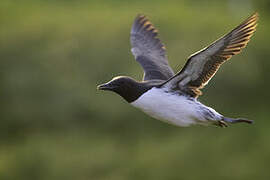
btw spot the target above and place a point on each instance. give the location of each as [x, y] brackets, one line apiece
[55, 125]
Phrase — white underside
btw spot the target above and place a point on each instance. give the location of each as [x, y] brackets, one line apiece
[172, 108]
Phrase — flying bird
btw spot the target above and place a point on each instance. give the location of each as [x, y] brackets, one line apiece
[170, 97]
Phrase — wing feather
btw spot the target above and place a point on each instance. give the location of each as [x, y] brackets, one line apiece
[148, 50]
[202, 66]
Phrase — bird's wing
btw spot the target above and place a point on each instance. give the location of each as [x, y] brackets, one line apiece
[202, 66]
[148, 50]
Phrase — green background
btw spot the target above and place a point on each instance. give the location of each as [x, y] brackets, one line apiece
[55, 125]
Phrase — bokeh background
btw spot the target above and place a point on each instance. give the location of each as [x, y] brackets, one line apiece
[55, 125]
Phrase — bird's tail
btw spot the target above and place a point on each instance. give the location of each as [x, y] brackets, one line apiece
[225, 120]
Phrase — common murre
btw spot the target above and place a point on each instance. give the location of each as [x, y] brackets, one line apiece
[172, 97]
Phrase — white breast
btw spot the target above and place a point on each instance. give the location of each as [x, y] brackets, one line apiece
[169, 107]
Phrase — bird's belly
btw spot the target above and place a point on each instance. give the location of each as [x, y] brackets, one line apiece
[171, 108]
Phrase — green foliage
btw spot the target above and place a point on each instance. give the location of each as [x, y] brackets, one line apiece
[56, 125]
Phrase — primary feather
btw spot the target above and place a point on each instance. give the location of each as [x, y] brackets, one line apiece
[148, 50]
[202, 66]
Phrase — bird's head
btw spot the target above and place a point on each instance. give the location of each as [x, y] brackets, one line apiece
[126, 87]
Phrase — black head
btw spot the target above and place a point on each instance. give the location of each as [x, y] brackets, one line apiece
[126, 87]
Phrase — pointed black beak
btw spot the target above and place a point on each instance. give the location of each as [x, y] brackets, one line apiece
[106, 86]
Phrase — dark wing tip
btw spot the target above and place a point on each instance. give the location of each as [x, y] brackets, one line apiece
[240, 36]
[142, 24]
[255, 15]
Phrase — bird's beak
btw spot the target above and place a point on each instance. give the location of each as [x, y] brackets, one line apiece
[106, 86]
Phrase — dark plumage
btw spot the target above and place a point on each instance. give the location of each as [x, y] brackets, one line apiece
[148, 50]
[129, 88]
[202, 66]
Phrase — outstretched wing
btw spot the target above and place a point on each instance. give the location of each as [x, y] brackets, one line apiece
[148, 50]
[202, 66]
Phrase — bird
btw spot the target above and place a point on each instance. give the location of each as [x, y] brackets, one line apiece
[173, 97]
